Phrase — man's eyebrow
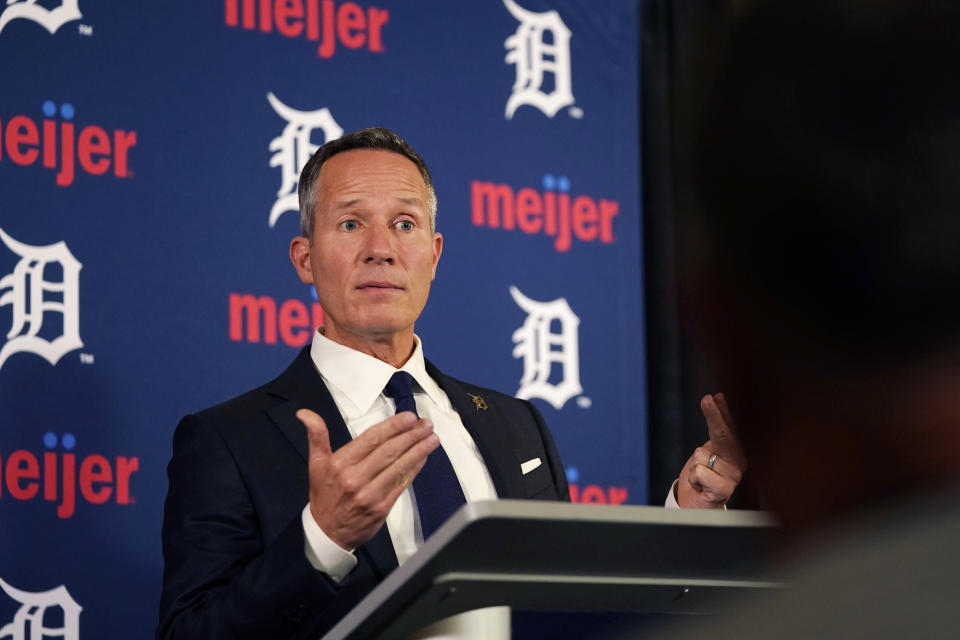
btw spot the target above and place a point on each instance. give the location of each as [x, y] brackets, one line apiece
[413, 202]
[346, 204]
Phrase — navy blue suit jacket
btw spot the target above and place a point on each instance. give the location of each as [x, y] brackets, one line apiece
[233, 543]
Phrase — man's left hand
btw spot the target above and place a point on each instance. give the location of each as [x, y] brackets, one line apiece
[703, 485]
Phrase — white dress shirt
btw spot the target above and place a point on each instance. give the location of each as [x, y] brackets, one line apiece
[356, 382]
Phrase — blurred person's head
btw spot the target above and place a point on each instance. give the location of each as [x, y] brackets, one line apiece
[827, 163]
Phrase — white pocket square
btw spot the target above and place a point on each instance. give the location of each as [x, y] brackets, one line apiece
[529, 466]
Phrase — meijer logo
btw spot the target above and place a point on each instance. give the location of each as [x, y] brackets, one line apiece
[26, 291]
[553, 213]
[594, 493]
[49, 19]
[349, 24]
[38, 612]
[540, 348]
[539, 47]
[292, 320]
[293, 148]
[57, 476]
[61, 147]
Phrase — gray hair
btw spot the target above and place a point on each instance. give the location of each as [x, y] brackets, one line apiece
[370, 138]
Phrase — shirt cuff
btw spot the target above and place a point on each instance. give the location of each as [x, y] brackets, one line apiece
[323, 553]
[669, 503]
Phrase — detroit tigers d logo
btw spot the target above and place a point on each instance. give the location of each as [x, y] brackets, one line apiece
[49, 19]
[31, 298]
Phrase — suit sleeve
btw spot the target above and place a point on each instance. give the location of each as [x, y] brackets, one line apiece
[221, 579]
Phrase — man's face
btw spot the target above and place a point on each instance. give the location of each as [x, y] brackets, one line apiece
[372, 255]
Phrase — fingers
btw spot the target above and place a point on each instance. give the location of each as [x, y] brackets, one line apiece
[704, 487]
[394, 478]
[359, 462]
[722, 440]
[739, 458]
[373, 438]
[353, 489]
[317, 436]
[721, 466]
[721, 402]
[716, 425]
[714, 489]
[405, 450]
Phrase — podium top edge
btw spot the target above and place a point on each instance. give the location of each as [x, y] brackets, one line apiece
[545, 510]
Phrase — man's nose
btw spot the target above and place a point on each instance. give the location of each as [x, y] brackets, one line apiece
[379, 248]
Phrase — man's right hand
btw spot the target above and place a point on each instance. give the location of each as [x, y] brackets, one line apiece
[353, 490]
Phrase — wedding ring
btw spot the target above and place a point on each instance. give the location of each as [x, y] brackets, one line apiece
[712, 461]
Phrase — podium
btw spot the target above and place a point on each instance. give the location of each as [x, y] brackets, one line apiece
[559, 556]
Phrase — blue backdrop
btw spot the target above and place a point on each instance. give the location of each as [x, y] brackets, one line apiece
[149, 153]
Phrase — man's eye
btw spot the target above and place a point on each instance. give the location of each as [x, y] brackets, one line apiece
[349, 225]
[405, 225]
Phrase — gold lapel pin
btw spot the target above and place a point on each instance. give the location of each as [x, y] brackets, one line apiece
[479, 403]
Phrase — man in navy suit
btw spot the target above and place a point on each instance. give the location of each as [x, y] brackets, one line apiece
[288, 504]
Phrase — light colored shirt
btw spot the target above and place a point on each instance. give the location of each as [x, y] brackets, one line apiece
[356, 382]
[671, 501]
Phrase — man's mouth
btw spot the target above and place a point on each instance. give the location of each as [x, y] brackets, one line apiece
[381, 286]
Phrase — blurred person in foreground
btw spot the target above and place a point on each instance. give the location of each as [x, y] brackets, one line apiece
[828, 169]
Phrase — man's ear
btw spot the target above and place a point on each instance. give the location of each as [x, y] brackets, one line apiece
[437, 250]
[300, 257]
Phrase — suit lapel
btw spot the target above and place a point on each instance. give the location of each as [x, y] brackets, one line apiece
[489, 430]
[303, 388]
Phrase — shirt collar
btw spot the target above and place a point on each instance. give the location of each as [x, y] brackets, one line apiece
[362, 377]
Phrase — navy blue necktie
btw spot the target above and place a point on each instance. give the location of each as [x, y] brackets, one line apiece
[436, 486]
